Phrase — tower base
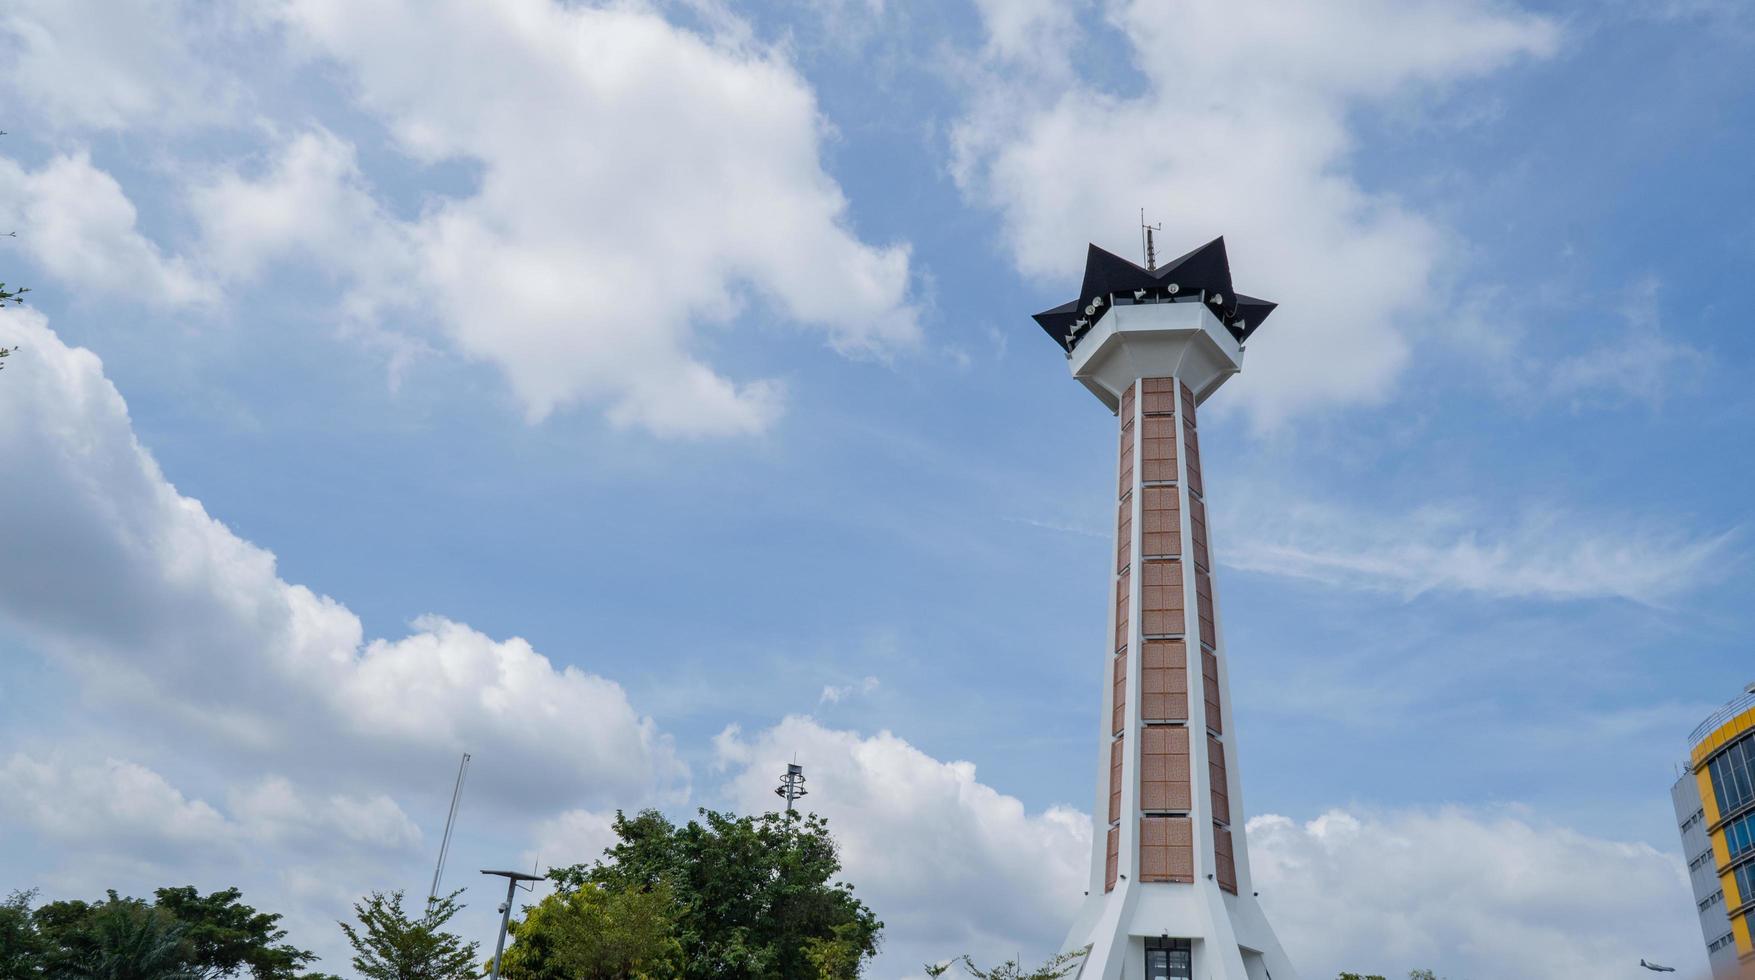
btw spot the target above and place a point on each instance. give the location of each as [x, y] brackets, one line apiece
[1175, 932]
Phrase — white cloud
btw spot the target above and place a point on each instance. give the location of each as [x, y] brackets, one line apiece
[1242, 129]
[1468, 894]
[950, 864]
[639, 185]
[110, 64]
[833, 694]
[1643, 364]
[274, 809]
[159, 608]
[113, 806]
[571, 837]
[953, 865]
[75, 221]
[1544, 554]
[313, 202]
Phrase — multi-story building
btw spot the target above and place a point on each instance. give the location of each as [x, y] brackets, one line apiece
[1715, 809]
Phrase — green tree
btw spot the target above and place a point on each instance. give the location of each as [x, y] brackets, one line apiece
[229, 937]
[127, 939]
[589, 933]
[388, 945]
[22, 948]
[754, 897]
[181, 933]
[1055, 968]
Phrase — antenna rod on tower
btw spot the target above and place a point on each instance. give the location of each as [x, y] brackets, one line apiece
[450, 821]
[1151, 246]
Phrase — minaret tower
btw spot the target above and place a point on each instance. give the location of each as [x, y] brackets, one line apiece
[1170, 894]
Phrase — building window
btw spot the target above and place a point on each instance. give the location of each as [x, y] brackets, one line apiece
[1169, 959]
[1746, 883]
[1733, 775]
[1710, 900]
[1740, 836]
[1721, 942]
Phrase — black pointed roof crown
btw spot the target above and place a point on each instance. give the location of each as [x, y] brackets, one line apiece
[1203, 276]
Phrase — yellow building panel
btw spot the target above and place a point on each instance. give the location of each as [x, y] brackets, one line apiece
[1708, 800]
[1740, 926]
[1725, 733]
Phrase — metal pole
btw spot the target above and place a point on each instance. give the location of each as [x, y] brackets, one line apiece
[512, 880]
[505, 923]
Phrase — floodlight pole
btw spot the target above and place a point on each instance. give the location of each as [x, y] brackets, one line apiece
[512, 880]
[791, 785]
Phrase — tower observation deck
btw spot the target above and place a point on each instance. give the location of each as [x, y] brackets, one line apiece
[1170, 894]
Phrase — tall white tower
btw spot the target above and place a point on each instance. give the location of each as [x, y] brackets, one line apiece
[1170, 893]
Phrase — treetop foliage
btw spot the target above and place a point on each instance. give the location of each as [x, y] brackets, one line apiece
[388, 945]
[180, 935]
[752, 898]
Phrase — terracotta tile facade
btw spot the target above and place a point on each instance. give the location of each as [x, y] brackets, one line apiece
[1166, 849]
[1203, 596]
[1164, 782]
[1197, 531]
[1123, 585]
[1118, 711]
[1117, 751]
[1216, 776]
[1191, 442]
[1158, 450]
[1112, 859]
[1125, 485]
[1224, 865]
[1209, 667]
[1124, 533]
[1160, 396]
[1164, 681]
[1161, 534]
[1161, 599]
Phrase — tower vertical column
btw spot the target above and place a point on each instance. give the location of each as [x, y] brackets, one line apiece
[1170, 892]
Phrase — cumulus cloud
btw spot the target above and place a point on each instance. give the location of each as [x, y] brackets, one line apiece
[954, 865]
[1468, 893]
[1242, 129]
[571, 837]
[1544, 554]
[114, 806]
[110, 64]
[652, 185]
[75, 221]
[125, 809]
[158, 607]
[950, 864]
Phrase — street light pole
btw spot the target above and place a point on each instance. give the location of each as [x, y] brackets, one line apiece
[512, 880]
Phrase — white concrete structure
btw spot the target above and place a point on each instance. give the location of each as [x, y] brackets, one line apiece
[1709, 897]
[1171, 895]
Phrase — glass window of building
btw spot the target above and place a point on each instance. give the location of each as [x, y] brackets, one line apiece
[1169, 959]
[1740, 836]
[1733, 775]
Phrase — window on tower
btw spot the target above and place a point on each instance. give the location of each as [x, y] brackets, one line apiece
[1169, 959]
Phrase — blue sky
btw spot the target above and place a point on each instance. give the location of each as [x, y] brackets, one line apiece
[687, 347]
